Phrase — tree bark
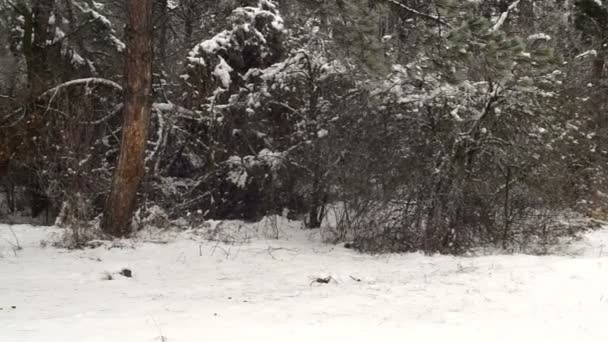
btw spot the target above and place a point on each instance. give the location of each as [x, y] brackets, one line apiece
[138, 78]
[163, 22]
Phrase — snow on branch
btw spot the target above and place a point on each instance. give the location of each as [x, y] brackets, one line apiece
[418, 13]
[503, 17]
[163, 107]
[592, 53]
[82, 81]
[170, 107]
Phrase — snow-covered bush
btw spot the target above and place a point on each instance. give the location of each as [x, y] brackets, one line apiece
[472, 163]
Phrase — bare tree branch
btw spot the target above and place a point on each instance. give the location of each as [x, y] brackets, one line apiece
[82, 81]
[418, 13]
[503, 17]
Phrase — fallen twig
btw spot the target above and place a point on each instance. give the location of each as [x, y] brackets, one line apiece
[325, 280]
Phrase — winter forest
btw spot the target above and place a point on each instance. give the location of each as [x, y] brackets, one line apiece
[171, 170]
[435, 130]
[435, 125]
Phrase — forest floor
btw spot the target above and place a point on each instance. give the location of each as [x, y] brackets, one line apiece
[186, 289]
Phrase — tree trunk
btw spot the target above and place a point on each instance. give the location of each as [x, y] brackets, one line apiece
[162, 46]
[39, 72]
[188, 30]
[597, 69]
[138, 76]
[39, 76]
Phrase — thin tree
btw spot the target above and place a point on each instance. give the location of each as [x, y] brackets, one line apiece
[138, 95]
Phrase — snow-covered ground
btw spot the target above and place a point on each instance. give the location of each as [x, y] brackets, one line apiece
[188, 290]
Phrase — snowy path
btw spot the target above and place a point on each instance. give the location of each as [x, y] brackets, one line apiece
[262, 291]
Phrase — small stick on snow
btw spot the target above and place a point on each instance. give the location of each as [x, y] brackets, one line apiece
[355, 279]
[325, 280]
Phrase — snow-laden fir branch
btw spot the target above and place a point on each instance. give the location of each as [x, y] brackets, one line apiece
[503, 17]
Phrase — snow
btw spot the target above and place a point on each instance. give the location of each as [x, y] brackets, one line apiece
[322, 133]
[253, 12]
[273, 159]
[454, 114]
[211, 46]
[189, 289]
[76, 58]
[86, 9]
[222, 72]
[220, 41]
[539, 36]
[118, 44]
[95, 15]
[171, 107]
[172, 4]
[242, 18]
[98, 6]
[592, 53]
[238, 177]
[83, 81]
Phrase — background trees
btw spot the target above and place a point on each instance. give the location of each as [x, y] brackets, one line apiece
[435, 125]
